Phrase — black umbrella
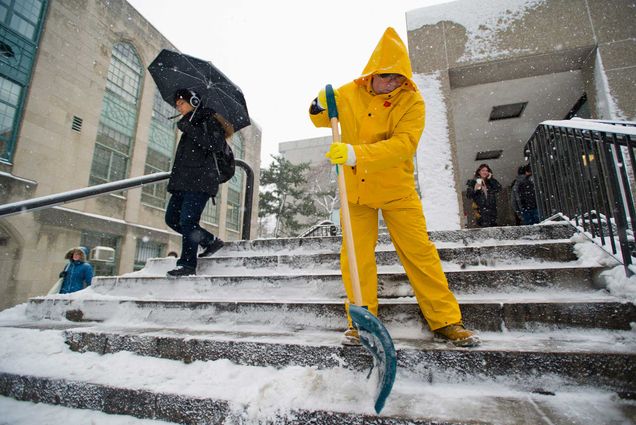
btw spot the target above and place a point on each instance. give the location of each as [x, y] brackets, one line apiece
[173, 71]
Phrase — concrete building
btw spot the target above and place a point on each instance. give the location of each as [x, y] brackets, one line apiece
[78, 108]
[504, 67]
[321, 178]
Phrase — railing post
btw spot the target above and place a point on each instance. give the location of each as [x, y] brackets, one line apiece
[249, 196]
[618, 206]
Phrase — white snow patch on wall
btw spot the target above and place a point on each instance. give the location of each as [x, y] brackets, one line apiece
[434, 161]
[483, 21]
[606, 107]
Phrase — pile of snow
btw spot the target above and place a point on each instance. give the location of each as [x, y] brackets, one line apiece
[617, 282]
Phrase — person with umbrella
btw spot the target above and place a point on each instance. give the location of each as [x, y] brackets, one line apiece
[211, 107]
[382, 120]
[194, 178]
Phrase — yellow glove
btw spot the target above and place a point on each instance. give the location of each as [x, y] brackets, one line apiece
[341, 153]
[322, 98]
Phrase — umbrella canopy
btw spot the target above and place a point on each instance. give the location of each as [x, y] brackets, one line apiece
[173, 71]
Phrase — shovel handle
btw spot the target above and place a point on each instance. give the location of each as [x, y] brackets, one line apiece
[332, 110]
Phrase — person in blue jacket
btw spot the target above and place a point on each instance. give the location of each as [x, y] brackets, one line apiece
[78, 274]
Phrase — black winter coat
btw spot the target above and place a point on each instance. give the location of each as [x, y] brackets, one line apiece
[195, 168]
[487, 203]
[527, 197]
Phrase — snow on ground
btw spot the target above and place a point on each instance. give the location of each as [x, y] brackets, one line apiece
[16, 412]
[256, 391]
[618, 284]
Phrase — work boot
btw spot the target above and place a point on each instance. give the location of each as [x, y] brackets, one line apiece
[351, 338]
[212, 248]
[182, 271]
[457, 335]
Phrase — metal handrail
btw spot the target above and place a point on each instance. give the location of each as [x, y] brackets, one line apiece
[584, 169]
[324, 228]
[49, 201]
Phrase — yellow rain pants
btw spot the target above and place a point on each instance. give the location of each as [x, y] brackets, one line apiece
[407, 226]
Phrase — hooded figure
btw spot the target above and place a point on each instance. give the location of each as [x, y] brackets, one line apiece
[381, 115]
[77, 274]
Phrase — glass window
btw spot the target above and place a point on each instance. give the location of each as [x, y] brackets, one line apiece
[9, 100]
[23, 16]
[118, 120]
[29, 9]
[160, 147]
[22, 26]
[146, 249]
[233, 209]
[238, 146]
[211, 212]
[92, 239]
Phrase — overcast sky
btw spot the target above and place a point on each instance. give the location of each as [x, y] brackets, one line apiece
[280, 52]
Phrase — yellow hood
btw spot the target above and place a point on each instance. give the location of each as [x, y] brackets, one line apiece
[389, 56]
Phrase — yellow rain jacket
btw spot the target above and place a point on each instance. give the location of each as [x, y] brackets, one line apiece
[383, 129]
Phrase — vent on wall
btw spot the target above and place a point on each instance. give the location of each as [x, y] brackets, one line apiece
[504, 112]
[77, 124]
[488, 155]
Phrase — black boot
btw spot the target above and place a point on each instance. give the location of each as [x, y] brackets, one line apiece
[182, 271]
[212, 248]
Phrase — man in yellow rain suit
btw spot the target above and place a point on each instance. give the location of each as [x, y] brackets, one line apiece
[382, 119]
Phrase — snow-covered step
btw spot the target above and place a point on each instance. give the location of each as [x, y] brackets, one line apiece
[532, 359]
[555, 251]
[438, 404]
[442, 238]
[493, 312]
[39, 367]
[311, 284]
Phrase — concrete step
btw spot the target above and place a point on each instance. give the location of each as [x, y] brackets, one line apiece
[223, 392]
[436, 405]
[455, 237]
[530, 360]
[558, 251]
[312, 284]
[177, 408]
[486, 312]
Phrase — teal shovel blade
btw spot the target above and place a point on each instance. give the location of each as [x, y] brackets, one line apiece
[376, 339]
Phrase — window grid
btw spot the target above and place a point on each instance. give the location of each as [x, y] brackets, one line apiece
[9, 100]
[211, 213]
[22, 16]
[92, 239]
[160, 148]
[145, 250]
[118, 119]
[29, 9]
[233, 209]
[20, 27]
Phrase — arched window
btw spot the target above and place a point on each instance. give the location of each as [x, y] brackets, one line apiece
[118, 121]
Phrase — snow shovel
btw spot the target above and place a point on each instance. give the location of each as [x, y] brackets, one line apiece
[373, 335]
